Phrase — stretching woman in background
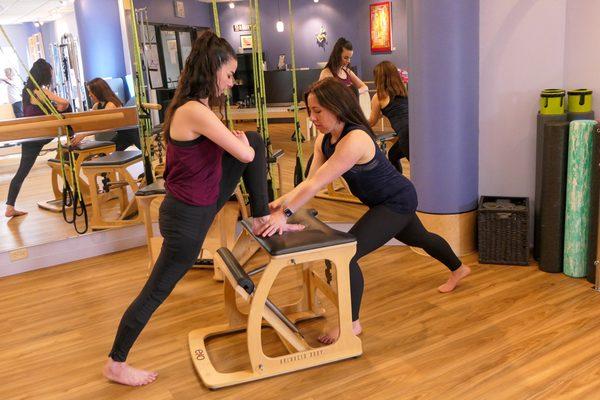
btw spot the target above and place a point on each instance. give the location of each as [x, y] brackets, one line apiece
[391, 100]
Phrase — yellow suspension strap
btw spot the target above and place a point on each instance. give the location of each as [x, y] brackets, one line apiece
[141, 98]
[298, 168]
[228, 97]
[70, 197]
[259, 92]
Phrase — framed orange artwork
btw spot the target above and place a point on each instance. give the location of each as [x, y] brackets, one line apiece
[381, 27]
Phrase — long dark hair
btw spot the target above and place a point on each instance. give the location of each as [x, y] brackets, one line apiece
[387, 81]
[335, 58]
[340, 100]
[41, 71]
[198, 80]
[99, 87]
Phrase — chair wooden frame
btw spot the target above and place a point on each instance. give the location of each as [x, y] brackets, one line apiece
[302, 355]
[127, 207]
[55, 205]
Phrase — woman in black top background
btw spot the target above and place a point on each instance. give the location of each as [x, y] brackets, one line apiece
[391, 100]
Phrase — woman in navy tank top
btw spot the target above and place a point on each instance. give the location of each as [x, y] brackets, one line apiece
[348, 150]
[338, 66]
[205, 162]
[391, 100]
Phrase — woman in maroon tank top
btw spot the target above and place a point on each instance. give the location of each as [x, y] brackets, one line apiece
[205, 162]
[338, 66]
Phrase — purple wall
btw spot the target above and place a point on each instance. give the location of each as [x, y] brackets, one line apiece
[163, 11]
[339, 17]
[100, 38]
[399, 56]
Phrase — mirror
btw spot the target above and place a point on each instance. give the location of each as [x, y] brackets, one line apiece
[50, 30]
[166, 41]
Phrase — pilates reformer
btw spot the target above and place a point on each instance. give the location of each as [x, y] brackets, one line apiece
[293, 249]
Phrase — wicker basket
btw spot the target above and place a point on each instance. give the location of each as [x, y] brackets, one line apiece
[502, 227]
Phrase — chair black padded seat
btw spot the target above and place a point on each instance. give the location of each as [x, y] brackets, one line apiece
[115, 158]
[316, 235]
[158, 187]
[91, 144]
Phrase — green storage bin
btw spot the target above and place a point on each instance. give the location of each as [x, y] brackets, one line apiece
[552, 101]
[580, 100]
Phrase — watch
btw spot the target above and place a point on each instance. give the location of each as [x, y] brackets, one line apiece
[287, 212]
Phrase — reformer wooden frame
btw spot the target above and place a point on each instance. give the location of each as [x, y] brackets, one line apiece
[302, 355]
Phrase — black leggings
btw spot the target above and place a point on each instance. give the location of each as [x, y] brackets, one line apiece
[30, 150]
[125, 138]
[399, 150]
[184, 228]
[380, 224]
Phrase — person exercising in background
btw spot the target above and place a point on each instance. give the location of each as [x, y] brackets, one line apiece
[41, 71]
[13, 89]
[104, 98]
[338, 66]
[391, 100]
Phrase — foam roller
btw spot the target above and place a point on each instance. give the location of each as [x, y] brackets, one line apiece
[578, 202]
[542, 120]
[552, 200]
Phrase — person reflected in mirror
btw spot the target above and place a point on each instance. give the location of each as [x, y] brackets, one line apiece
[338, 66]
[103, 98]
[391, 100]
[14, 87]
[41, 72]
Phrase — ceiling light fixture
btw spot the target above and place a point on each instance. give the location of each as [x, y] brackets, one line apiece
[279, 25]
[231, 5]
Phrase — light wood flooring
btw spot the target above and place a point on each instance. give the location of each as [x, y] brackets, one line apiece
[506, 333]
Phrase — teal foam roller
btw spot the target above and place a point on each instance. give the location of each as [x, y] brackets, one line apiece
[578, 200]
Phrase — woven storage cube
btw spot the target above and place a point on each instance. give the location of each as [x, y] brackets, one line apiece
[502, 227]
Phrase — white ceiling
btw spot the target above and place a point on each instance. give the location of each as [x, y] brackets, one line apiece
[18, 11]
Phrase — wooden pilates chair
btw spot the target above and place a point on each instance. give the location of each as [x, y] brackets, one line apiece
[293, 249]
[84, 151]
[222, 232]
[338, 190]
[114, 166]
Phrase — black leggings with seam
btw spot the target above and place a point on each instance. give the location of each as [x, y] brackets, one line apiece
[30, 150]
[379, 225]
[184, 228]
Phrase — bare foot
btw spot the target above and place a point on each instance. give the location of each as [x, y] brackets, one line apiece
[125, 374]
[12, 212]
[331, 336]
[455, 277]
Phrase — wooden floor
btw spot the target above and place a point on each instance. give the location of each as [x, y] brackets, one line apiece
[41, 226]
[506, 333]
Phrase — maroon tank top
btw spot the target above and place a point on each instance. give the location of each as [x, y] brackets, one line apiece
[346, 81]
[193, 171]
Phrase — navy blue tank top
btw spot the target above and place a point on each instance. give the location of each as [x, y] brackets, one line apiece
[376, 182]
[397, 112]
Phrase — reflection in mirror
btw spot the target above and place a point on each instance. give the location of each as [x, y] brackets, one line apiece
[77, 75]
